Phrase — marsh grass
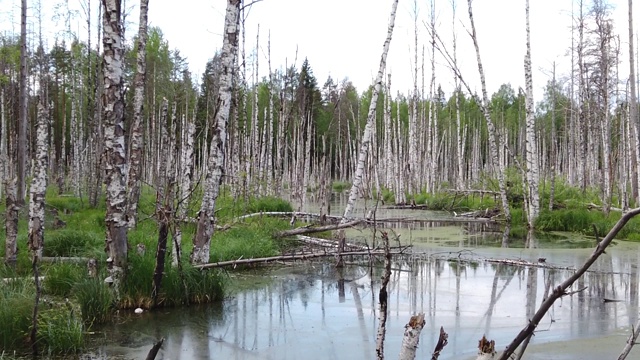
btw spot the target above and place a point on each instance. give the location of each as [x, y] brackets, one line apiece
[59, 279]
[95, 300]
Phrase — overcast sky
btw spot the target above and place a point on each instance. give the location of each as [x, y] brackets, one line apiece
[343, 38]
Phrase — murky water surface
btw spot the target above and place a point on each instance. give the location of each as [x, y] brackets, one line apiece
[312, 311]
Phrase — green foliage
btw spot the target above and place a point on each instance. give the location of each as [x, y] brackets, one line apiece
[268, 204]
[16, 310]
[60, 279]
[340, 186]
[60, 331]
[68, 242]
[95, 300]
[250, 241]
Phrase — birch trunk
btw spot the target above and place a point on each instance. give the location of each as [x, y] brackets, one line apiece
[633, 109]
[184, 190]
[366, 137]
[114, 152]
[39, 182]
[533, 172]
[493, 136]
[215, 171]
[4, 160]
[411, 337]
[21, 146]
[135, 149]
[163, 200]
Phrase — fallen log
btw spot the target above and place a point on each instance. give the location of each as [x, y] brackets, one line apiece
[65, 259]
[287, 258]
[316, 229]
[287, 214]
[327, 243]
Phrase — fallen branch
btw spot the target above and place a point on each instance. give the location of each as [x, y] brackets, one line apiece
[327, 243]
[561, 290]
[288, 214]
[442, 342]
[411, 337]
[64, 259]
[154, 350]
[631, 341]
[286, 258]
[317, 229]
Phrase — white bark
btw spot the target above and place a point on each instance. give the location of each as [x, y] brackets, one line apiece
[533, 172]
[215, 171]
[39, 182]
[411, 337]
[115, 159]
[366, 137]
[135, 147]
[633, 110]
[493, 136]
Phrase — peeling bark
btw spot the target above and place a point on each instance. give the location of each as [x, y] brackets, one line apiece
[114, 147]
[411, 337]
[39, 183]
[533, 172]
[135, 151]
[215, 168]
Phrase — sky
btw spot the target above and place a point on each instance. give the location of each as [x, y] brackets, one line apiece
[343, 38]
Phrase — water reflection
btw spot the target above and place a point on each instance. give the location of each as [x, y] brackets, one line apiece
[314, 312]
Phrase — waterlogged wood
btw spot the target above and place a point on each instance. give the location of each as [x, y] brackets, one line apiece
[631, 340]
[327, 243]
[288, 258]
[316, 229]
[288, 214]
[383, 299]
[442, 342]
[216, 160]
[154, 350]
[562, 289]
[135, 148]
[411, 337]
[486, 349]
[114, 142]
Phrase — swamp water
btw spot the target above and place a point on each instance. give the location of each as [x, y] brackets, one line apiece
[312, 311]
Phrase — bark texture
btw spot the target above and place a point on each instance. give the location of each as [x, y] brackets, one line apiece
[135, 151]
[356, 185]
[493, 134]
[411, 337]
[21, 164]
[215, 166]
[114, 147]
[533, 172]
[39, 183]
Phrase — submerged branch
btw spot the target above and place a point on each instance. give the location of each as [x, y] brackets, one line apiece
[561, 290]
[287, 258]
[317, 229]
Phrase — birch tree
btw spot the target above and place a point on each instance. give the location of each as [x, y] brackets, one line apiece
[357, 182]
[39, 182]
[22, 123]
[493, 135]
[633, 109]
[135, 151]
[216, 159]
[533, 172]
[114, 151]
